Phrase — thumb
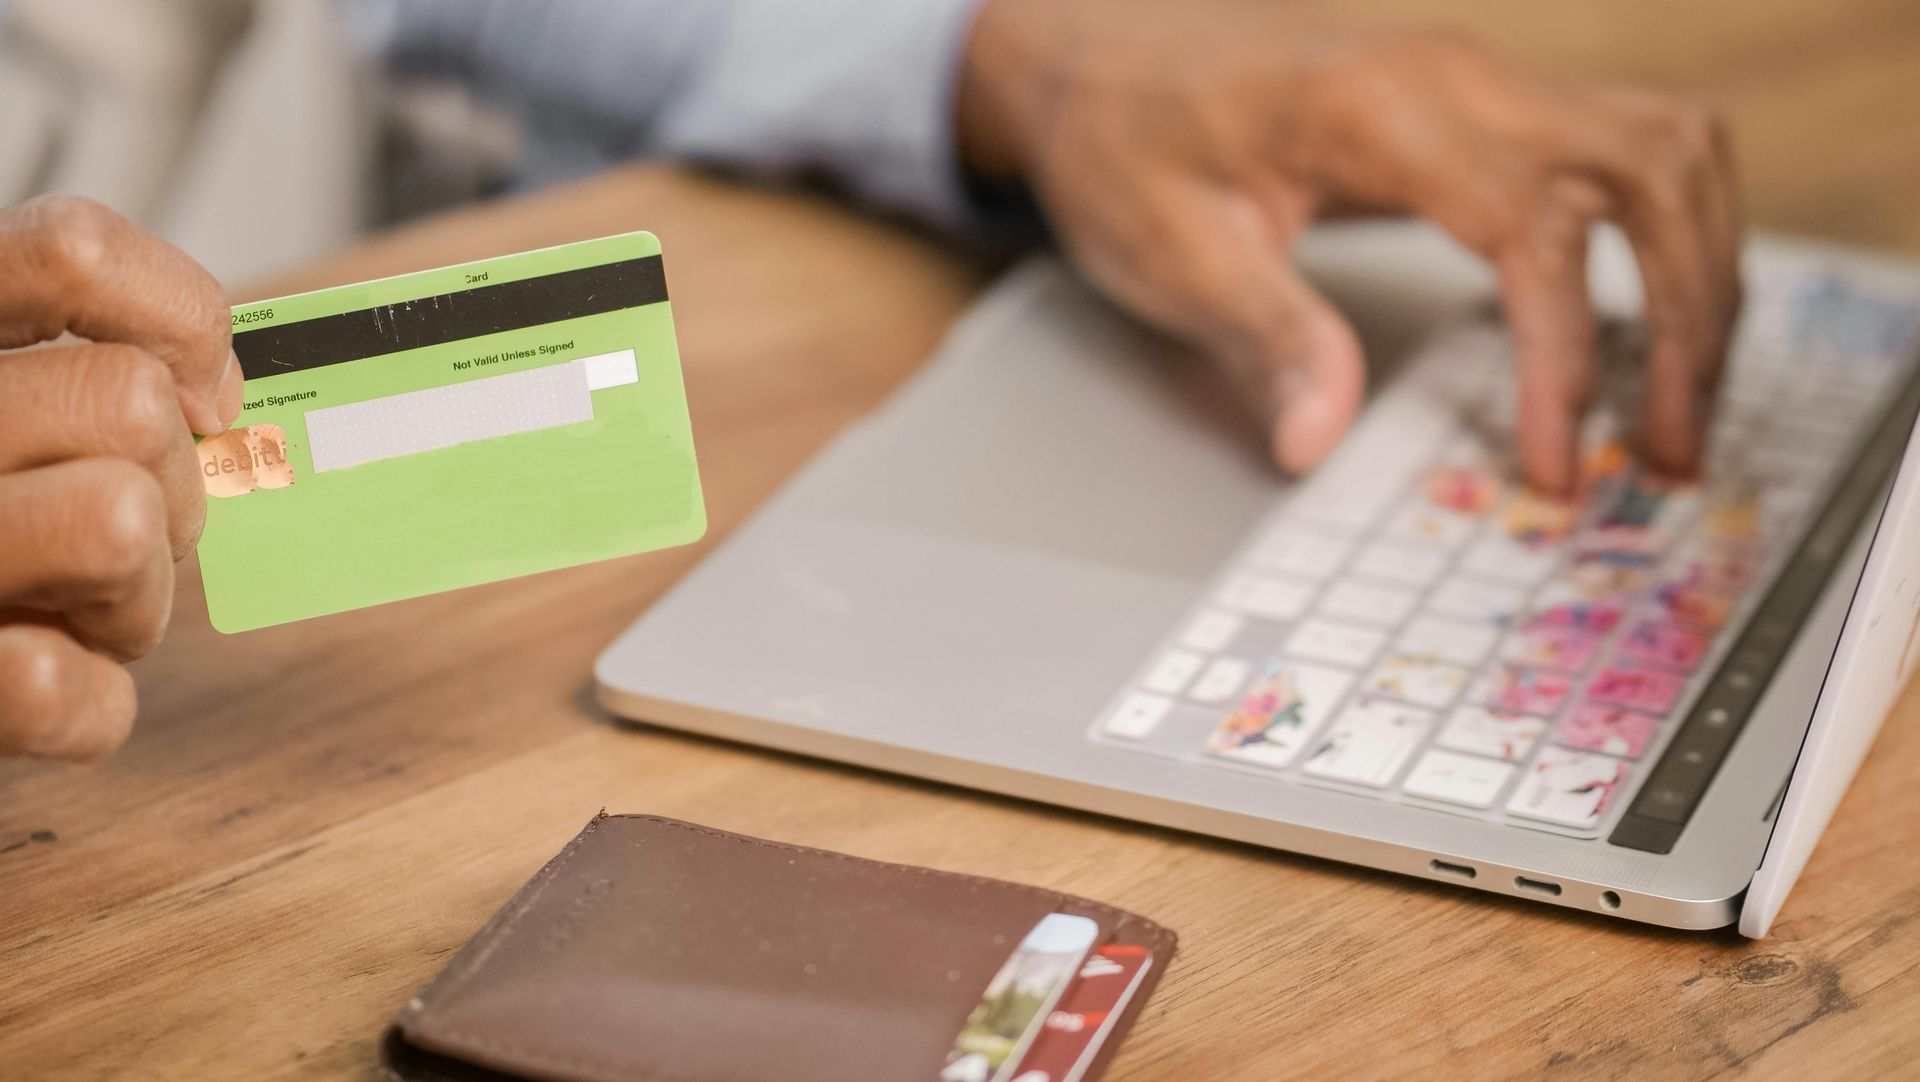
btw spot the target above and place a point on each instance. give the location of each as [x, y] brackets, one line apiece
[1313, 367]
[1218, 276]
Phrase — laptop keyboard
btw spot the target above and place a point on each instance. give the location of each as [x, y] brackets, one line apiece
[1410, 624]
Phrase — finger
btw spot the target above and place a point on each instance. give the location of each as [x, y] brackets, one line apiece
[1210, 265]
[1318, 370]
[1652, 171]
[1729, 217]
[1718, 200]
[1715, 192]
[59, 700]
[70, 264]
[85, 540]
[103, 401]
[1543, 283]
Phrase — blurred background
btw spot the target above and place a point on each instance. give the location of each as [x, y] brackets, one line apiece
[258, 134]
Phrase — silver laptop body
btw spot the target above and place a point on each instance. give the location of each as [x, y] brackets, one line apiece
[974, 584]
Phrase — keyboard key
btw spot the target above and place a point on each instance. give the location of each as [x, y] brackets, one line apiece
[1137, 714]
[1495, 734]
[1599, 576]
[1500, 557]
[1642, 519]
[1556, 609]
[1414, 679]
[1221, 681]
[1727, 568]
[1593, 727]
[1457, 779]
[1298, 550]
[1402, 565]
[1368, 743]
[1537, 522]
[1423, 524]
[1490, 421]
[1664, 644]
[1726, 452]
[1210, 630]
[1368, 603]
[1267, 598]
[1778, 465]
[1733, 513]
[1477, 599]
[1783, 516]
[1328, 640]
[1446, 640]
[1548, 646]
[1468, 490]
[1623, 546]
[1825, 435]
[1685, 600]
[1637, 688]
[1522, 690]
[1171, 671]
[1605, 460]
[1573, 788]
[1278, 714]
[1398, 435]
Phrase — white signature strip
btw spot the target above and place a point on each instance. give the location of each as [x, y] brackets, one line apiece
[433, 418]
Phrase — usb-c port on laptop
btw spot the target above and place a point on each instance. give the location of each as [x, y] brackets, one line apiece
[1464, 871]
[1537, 886]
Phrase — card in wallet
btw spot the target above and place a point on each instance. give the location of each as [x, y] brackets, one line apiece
[652, 950]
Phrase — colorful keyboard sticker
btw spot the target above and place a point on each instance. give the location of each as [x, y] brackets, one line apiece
[1492, 734]
[1665, 644]
[1411, 624]
[1554, 648]
[1369, 742]
[1596, 727]
[1421, 681]
[1274, 720]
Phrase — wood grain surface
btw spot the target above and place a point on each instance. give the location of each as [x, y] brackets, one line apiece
[310, 819]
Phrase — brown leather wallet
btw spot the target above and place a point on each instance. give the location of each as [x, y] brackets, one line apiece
[656, 950]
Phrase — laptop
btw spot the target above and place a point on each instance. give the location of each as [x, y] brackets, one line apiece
[1057, 565]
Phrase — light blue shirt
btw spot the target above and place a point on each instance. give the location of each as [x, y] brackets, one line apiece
[860, 92]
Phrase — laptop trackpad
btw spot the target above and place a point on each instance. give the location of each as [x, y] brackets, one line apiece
[1060, 426]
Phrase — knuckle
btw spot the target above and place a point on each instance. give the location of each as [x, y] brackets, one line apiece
[142, 400]
[35, 695]
[69, 236]
[209, 315]
[1495, 212]
[1697, 128]
[1663, 187]
[1682, 137]
[124, 519]
[47, 710]
[1445, 56]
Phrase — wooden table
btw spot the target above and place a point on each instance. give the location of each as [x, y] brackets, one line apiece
[309, 819]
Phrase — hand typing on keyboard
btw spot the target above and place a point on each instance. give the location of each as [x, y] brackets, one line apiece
[1413, 626]
[1178, 149]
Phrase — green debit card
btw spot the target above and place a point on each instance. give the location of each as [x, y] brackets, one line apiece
[442, 429]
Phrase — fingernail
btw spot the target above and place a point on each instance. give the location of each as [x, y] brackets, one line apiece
[227, 400]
